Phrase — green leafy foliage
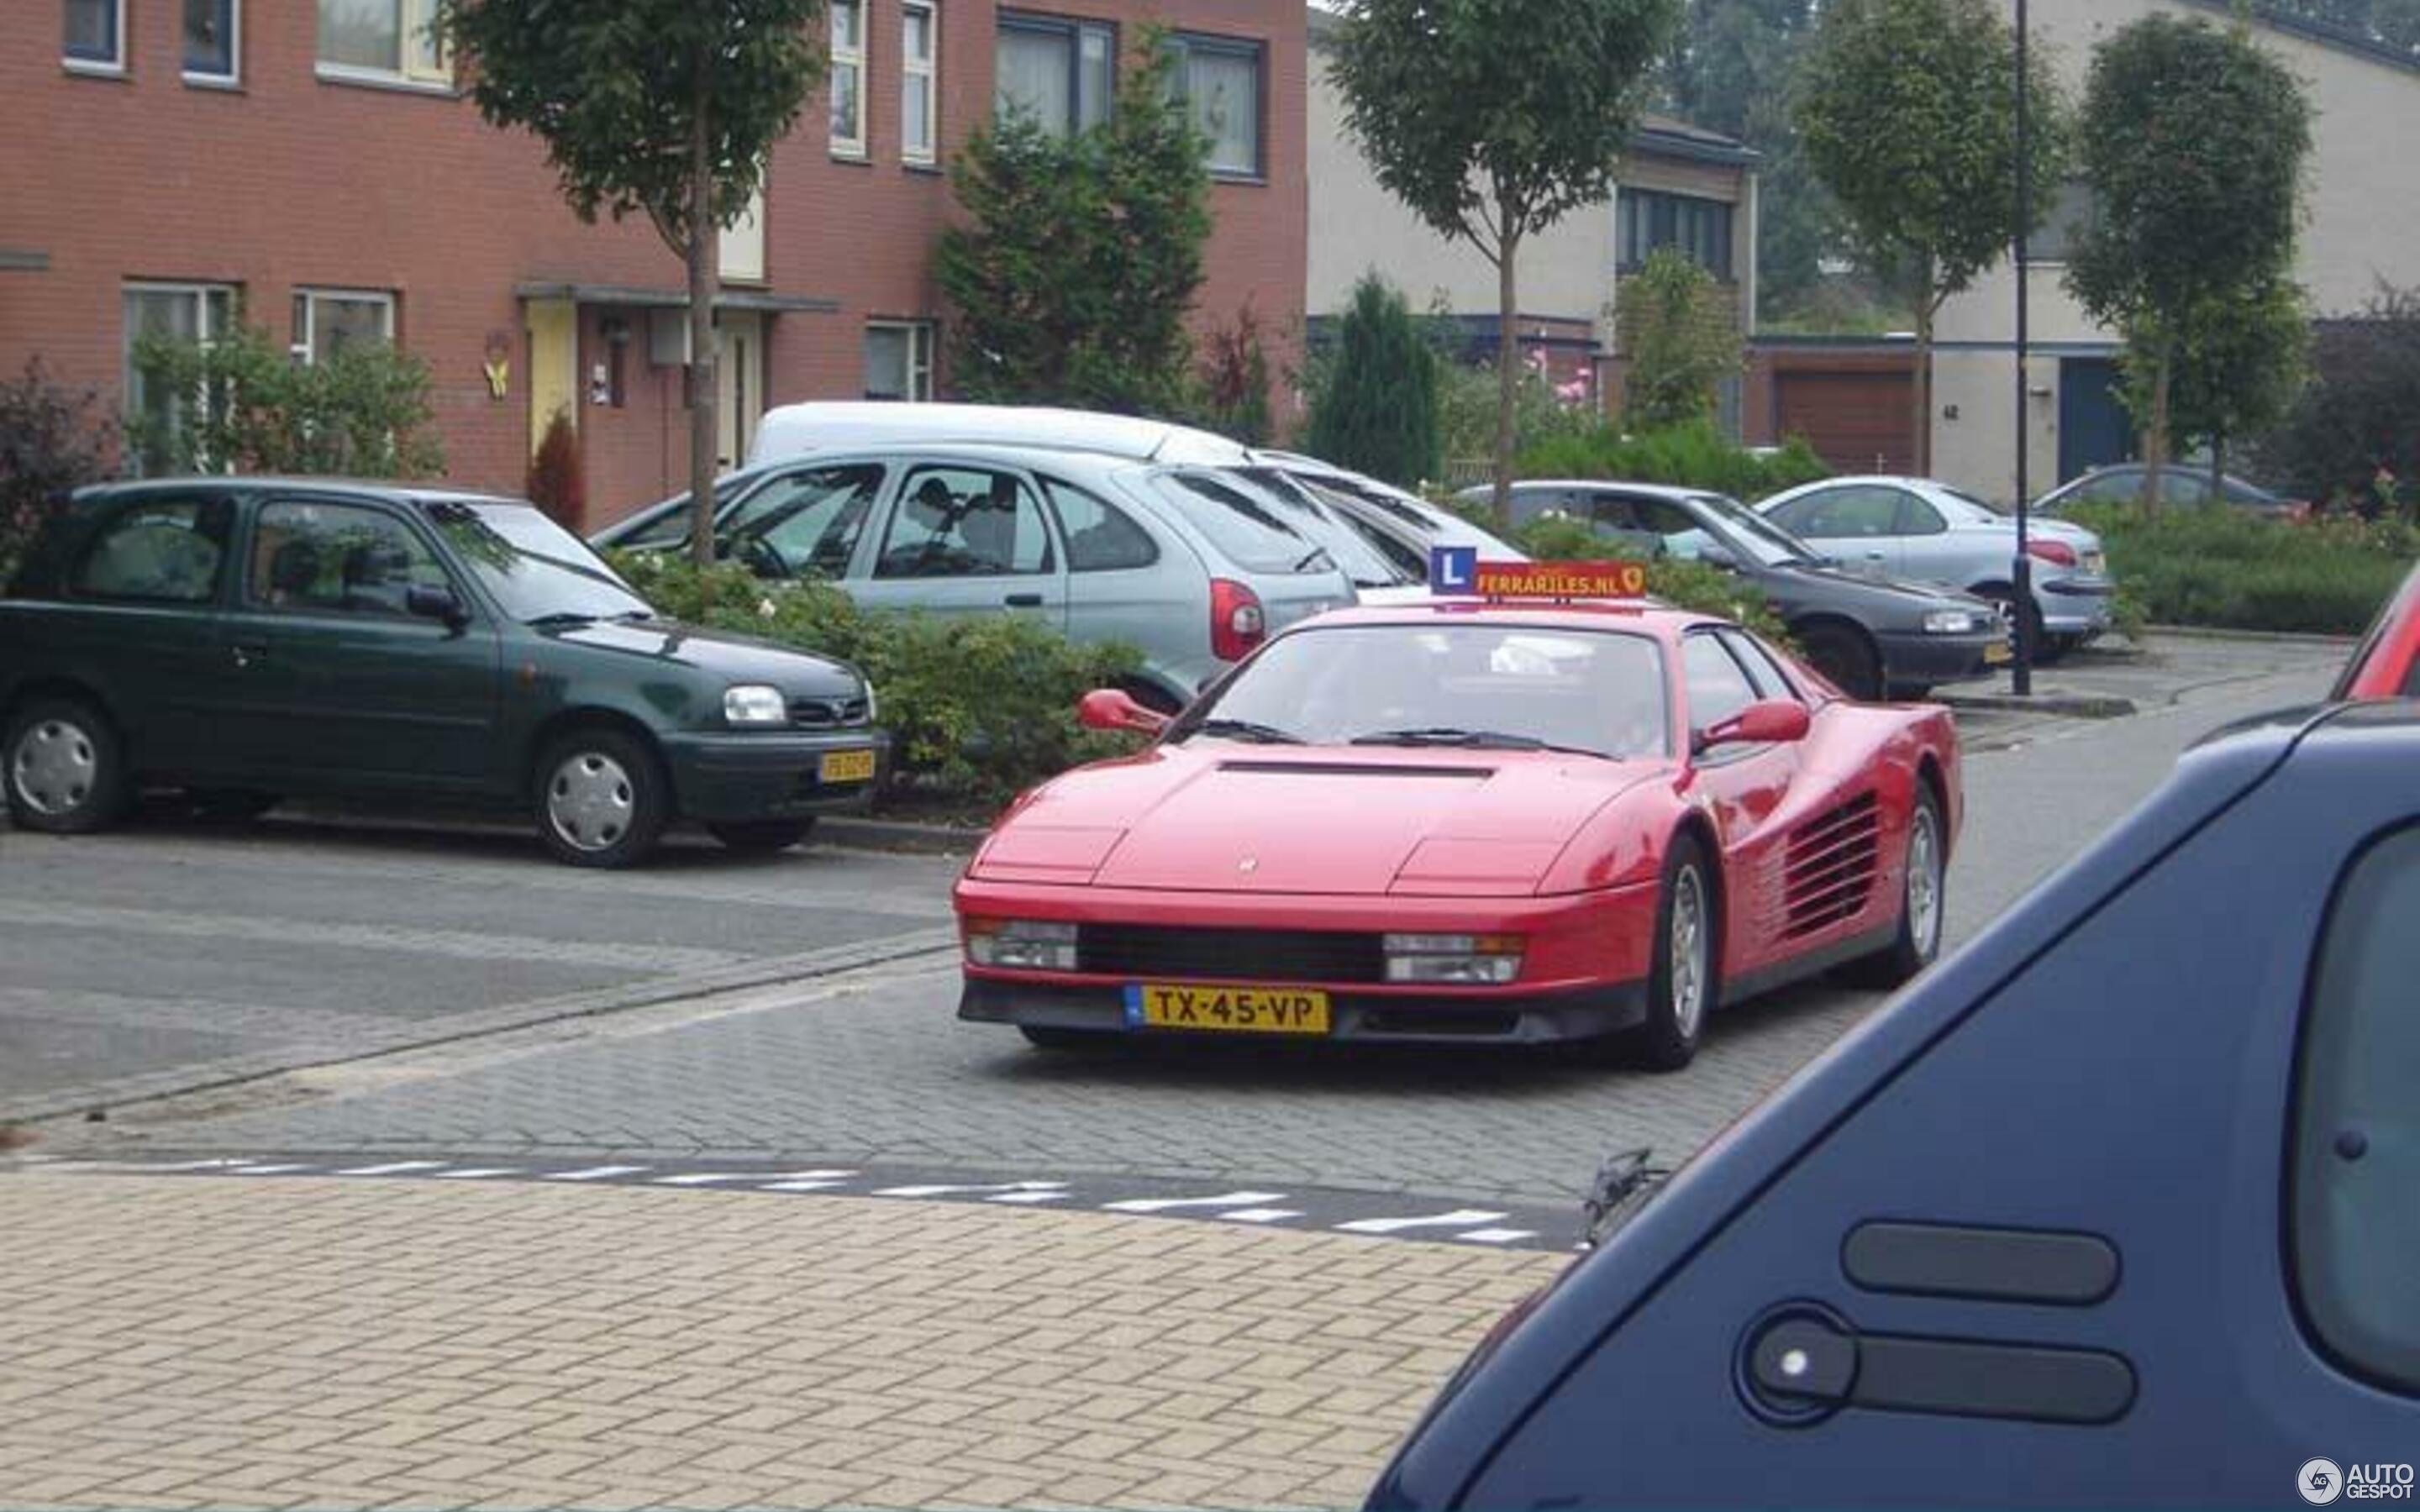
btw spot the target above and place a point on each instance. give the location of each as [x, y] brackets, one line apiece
[1904, 110]
[54, 440]
[1693, 455]
[2356, 414]
[1374, 405]
[2240, 363]
[1690, 585]
[1683, 339]
[2231, 570]
[361, 411]
[1492, 119]
[978, 707]
[1466, 417]
[557, 484]
[2193, 139]
[1075, 272]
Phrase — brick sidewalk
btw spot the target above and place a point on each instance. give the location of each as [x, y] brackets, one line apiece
[330, 1344]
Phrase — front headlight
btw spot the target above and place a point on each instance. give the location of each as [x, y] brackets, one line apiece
[1454, 960]
[754, 706]
[1951, 622]
[1021, 944]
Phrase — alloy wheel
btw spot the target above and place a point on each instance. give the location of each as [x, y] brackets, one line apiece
[1924, 883]
[1688, 942]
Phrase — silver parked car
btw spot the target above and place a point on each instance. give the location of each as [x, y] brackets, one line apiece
[1917, 529]
[1180, 560]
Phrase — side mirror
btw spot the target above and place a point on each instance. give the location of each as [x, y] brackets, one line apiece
[1713, 555]
[1773, 722]
[436, 604]
[1115, 710]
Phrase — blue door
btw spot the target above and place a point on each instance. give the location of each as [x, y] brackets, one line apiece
[2094, 429]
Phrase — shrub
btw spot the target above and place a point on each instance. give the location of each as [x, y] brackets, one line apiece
[1682, 335]
[362, 412]
[1694, 455]
[978, 708]
[556, 481]
[1374, 405]
[1690, 585]
[1466, 413]
[1235, 382]
[2229, 570]
[53, 441]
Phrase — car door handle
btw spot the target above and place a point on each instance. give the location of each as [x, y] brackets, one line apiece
[1025, 601]
[1805, 1364]
[246, 655]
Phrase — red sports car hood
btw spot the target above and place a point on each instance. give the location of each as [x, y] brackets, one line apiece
[1223, 818]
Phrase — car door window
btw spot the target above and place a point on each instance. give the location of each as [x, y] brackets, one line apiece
[1916, 516]
[1717, 688]
[1100, 536]
[312, 558]
[1675, 531]
[2183, 488]
[2355, 1175]
[1853, 514]
[806, 522]
[157, 551]
[1762, 671]
[965, 522]
[2121, 486]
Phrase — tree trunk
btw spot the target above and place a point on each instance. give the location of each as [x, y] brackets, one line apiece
[1925, 310]
[2155, 445]
[2218, 469]
[705, 252]
[1507, 367]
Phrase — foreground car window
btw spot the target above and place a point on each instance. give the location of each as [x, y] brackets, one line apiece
[533, 567]
[336, 559]
[164, 552]
[1602, 692]
[2356, 1150]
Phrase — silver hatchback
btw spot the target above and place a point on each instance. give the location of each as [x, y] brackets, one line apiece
[1177, 559]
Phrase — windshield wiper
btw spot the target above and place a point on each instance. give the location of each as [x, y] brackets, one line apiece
[1261, 734]
[1311, 559]
[1470, 740]
[560, 620]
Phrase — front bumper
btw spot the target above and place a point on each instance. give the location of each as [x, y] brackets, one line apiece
[1914, 660]
[1355, 1014]
[738, 777]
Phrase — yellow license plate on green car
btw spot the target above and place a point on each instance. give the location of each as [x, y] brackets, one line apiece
[1221, 1009]
[845, 766]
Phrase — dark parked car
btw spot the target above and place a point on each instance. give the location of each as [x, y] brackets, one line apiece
[2184, 484]
[247, 639]
[1875, 638]
[2113, 1208]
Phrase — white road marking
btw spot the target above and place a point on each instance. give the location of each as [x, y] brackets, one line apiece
[1230, 1199]
[596, 1173]
[1498, 1236]
[803, 1186]
[706, 1178]
[264, 1170]
[1461, 1218]
[394, 1167]
[814, 1176]
[1259, 1216]
[476, 1173]
[1028, 1198]
[968, 1190]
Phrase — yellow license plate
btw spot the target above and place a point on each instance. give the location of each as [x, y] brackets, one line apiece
[846, 766]
[1996, 653]
[1227, 1009]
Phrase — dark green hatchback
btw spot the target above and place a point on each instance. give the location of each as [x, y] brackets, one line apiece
[250, 638]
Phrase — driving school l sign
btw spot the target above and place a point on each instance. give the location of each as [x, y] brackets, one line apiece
[1456, 571]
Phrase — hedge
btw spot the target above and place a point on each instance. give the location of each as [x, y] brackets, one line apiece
[1684, 584]
[1694, 455]
[979, 708]
[2226, 569]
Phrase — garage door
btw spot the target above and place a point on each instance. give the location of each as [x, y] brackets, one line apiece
[1856, 422]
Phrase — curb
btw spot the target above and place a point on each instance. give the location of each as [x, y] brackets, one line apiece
[2292, 638]
[897, 835]
[2070, 705]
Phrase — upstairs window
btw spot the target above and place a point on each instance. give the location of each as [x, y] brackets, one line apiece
[919, 103]
[96, 36]
[383, 40]
[1220, 79]
[1646, 221]
[210, 40]
[1064, 74]
[848, 77]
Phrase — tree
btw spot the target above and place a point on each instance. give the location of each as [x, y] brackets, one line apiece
[1492, 119]
[665, 107]
[1907, 111]
[53, 441]
[2355, 415]
[361, 411]
[1683, 340]
[1374, 410]
[2194, 141]
[2241, 362]
[1077, 270]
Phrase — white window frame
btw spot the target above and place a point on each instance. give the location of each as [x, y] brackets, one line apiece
[852, 59]
[927, 69]
[305, 343]
[922, 338]
[112, 67]
[411, 17]
[233, 77]
[204, 335]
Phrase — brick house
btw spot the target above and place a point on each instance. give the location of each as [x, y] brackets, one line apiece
[311, 164]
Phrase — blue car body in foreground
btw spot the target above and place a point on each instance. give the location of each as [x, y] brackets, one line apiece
[2118, 1207]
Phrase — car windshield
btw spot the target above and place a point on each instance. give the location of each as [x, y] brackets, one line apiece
[1331, 527]
[534, 568]
[1472, 685]
[1768, 542]
[667, 525]
[1248, 528]
[1408, 559]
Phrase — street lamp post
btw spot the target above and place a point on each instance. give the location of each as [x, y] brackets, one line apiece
[2021, 572]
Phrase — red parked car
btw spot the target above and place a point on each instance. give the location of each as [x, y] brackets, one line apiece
[2383, 665]
[1469, 823]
